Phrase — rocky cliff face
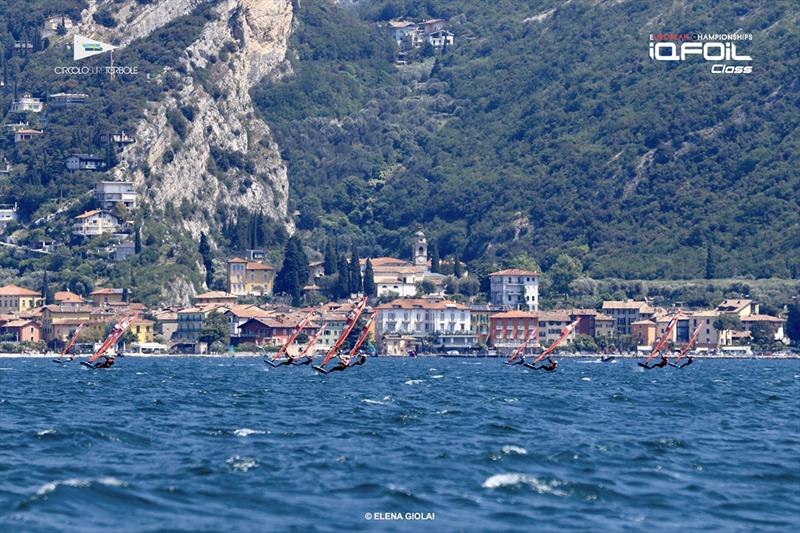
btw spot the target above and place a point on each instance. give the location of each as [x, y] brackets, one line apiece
[245, 41]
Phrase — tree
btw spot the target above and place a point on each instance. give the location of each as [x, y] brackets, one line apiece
[46, 294]
[355, 271]
[137, 239]
[727, 321]
[458, 268]
[563, 272]
[711, 262]
[434, 257]
[294, 273]
[793, 323]
[369, 279]
[205, 253]
[330, 259]
[343, 282]
[762, 336]
[215, 329]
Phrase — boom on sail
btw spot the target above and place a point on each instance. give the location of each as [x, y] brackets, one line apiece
[114, 337]
[564, 334]
[69, 345]
[291, 339]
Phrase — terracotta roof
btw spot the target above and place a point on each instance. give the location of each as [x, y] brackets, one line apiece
[400, 23]
[761, 318]
[514, 272]
[733, 305]
[88, 214]
[513, 314]
[553, 316]
[248, 311]
[237, 260]
[421, 303]
[18, 323]
[67, 296]
[385, 261]
[106, 290]
[315, 264]
[29, 131]
[252, 265]
[144, 321]
[644, 323]
[601, 316]
[211, 295]
[13, 290]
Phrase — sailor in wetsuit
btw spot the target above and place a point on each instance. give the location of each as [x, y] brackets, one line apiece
[661, 364]
[104, 362]
[344, 362]
[307, 360]
[518, 361]
[689, 360]
[550, 368]
[361, 360]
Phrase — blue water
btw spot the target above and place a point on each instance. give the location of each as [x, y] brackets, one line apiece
[226, 444]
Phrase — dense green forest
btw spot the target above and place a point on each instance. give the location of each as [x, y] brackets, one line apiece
[532, 138]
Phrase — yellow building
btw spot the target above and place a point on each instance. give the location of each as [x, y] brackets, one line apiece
[106, 295]
[248, 278]
[643, 332]
[143, 329]
[15, 299]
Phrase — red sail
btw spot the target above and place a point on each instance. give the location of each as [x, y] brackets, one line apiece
[300, 327]
[691, 342]
[364, 335]
[521, 349]
[356, 314]
[311, 342]
[663, 341]
[564, 334]
[72, 340]
[116, 334]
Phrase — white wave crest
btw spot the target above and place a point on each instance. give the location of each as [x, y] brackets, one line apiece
[414, 382]
[242, 464]
[508, 449]
[47, 488]
[245, 432]
[438, 376]
[48, 431]
[586, 379]
[374, 402]
[510, 480]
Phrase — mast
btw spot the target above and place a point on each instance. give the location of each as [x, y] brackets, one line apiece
[72, 341]
[521, 349]
[691, 342]
[358, 310]
[364, 334]
[300, 327]
[113, 338]
[311, 342]
[564, 334]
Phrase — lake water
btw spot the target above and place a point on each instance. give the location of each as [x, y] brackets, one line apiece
[473, 445]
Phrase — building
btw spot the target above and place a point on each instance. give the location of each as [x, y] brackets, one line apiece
[63, 100]
[551, 324]
[124, 250]
[480, 323]
[107, 295]
[604, 326]
[643, 332]
[772, 324]
[8, 214]
[26, 104]
[143, 329]
[25, 135]
[237, 315]
[401, 31]
[436, 324]
[94, 223]
[5, 166]
[23, 330]
[51, 25]
[316, 269]
[627, 312]
[67, 298]
[276, 330]
[116, 137]
[440, 39]
[190, 322]
[166, 323]
[59, 322]
[740, 308]
[508, 330]
[419, 250]
[111, 193]
[708, 336]
[433, 25]
[515, 288]
[214, 298]
[88, 162]
[18, 300]
[248, 278]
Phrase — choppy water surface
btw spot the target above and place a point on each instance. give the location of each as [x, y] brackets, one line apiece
[226, 444]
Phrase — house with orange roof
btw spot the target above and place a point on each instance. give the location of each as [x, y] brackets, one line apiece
[106, 295]
[23, 330]
[437, 324]
[214, 298]
[626, 312]
[68, 298]
[250, 278]
[14, 299]
[516, 288]
[94, 223]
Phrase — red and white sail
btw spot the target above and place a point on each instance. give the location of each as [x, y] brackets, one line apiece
[291, 339]
[364, 334]
[356, 313]
[521, 349]
[691, 342]
[113, 338]
[72, 340]
[665, 337]
[564, 334]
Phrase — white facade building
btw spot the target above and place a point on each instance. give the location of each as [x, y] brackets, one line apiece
[26, 103]
[110, 193]
[94, 223]
[516, 288]
[448, 322]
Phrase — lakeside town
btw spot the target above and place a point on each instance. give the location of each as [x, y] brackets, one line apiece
[248, 318]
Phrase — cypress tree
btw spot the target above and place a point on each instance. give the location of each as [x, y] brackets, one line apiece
[137, 240]
[711, 262]
[434, 258]
[205, 254]
[369, 279]
[355, 271]
[330, 259]
[343, 283]
[294, 273]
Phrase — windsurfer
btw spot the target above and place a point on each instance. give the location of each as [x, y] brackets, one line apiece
[661, 364]
[550, 368]
[104, 362]
[689, 360]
